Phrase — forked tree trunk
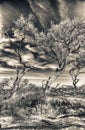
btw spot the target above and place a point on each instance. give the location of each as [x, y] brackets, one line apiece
[74, 72]
[17, 80]
[51, 79]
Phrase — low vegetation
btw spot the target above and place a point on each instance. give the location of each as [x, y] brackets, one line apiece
[27, 106]
[32, 108]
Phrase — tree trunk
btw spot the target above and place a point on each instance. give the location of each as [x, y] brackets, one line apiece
[74, 84]
[17, 81]
[53, 78]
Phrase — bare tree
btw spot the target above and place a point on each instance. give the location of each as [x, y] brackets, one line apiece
[78, 68]
[74, 72]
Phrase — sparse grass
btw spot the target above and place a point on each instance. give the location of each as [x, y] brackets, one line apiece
[68, 91]
[59, 102]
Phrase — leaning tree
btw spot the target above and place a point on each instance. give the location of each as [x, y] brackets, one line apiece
[24, 33]
[65, 42]
[61, 44]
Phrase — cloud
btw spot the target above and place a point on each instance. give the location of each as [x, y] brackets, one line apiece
[30, 55]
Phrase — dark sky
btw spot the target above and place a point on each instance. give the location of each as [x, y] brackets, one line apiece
[21, 5]
[11, 9]
[44, 10]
